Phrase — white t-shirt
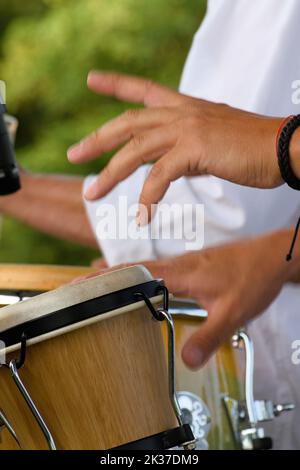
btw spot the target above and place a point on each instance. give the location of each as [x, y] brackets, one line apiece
[246, 54]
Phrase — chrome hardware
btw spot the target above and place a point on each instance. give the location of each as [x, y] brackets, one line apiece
[31, 405]
[172, 372]
[10, 298]
[245, 417]
[264, 410]
[13, 366]
[186, 308]
[172, 376]
[267, 411]
[162, 314]
[279, 409]
[247, 437]
[5, 424]
[254, 439]
[249, 373]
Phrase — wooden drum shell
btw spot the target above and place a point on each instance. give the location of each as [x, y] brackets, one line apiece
[96, 387]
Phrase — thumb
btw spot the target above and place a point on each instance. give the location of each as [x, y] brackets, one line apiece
[207, 339]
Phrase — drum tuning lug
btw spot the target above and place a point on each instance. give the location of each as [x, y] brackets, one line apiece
[247, 436]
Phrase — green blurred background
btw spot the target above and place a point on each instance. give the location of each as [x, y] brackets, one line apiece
[47, 48]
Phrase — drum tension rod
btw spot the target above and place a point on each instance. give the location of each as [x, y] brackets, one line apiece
[161, 315]
[14, 365]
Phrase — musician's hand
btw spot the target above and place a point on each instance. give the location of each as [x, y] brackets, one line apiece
[184, 135]
[233, 282]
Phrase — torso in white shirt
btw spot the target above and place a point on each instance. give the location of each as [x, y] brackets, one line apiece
[247, 54]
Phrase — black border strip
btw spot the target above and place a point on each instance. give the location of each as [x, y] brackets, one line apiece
[162, 441]
[79, 312]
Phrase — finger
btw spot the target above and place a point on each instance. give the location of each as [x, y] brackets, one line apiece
[101, 271]
[208, 338]
[141, 149]
[169, 168]
[97, 273]
[87, 276]
[117, 131]
[132, 89]
[173, 272]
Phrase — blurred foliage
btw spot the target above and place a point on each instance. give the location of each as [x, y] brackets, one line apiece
[47, 48]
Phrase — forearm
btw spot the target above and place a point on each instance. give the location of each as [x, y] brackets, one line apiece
[52, 204]
[279, 244]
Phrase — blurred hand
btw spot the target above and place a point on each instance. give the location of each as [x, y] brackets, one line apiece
[184, 135]
[233, 282]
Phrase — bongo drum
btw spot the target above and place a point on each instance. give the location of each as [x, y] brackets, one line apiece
[84, 367]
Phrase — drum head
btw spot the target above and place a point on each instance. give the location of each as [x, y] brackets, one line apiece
[76, 305]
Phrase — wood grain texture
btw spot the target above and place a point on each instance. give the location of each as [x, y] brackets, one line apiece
[38, 277]
[97, 387]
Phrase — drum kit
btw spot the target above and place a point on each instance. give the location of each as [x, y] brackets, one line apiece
[97, 365]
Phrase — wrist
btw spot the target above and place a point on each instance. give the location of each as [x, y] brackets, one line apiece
[279, 245]
[271, 253]
[287, 145]
[272, 170]
[295, 152]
